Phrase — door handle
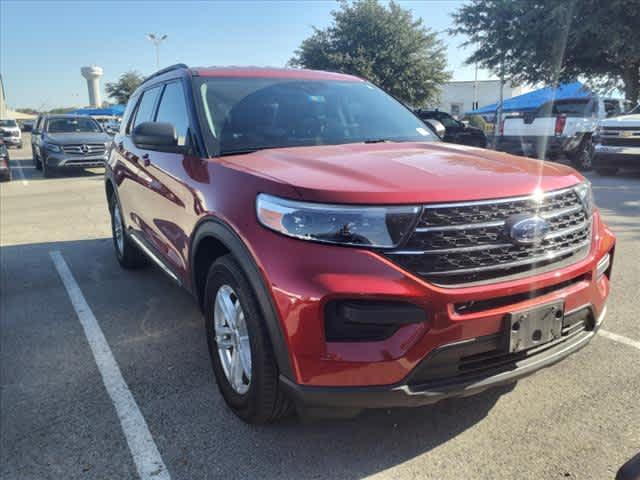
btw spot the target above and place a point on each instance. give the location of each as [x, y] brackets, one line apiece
[146, 160]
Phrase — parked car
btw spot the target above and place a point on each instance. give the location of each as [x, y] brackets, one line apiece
[5, 169]
[10, 133]
[617, 144]
[344, 257]
[455, 130]
[561, 127]
[68, 141]
[27, 125]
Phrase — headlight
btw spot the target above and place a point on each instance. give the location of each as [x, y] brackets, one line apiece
[586, 196]
[382, 227]
[52, 147]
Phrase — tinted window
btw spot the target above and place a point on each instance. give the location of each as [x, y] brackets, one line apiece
[173, 110]
[145, 107]
[573, 108]
[72, 125]
[8, 123]
[253, 113]
[612, 107]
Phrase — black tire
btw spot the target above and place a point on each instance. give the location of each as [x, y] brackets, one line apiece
[129, 256]
[582, 158]
[47, 171]
[606, 171]
[37, 162]
[264, 402]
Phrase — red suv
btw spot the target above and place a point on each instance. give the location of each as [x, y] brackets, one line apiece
[343, 257]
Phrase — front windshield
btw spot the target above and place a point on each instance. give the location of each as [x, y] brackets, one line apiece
[247, 114]
[72, 125]
[8, 123]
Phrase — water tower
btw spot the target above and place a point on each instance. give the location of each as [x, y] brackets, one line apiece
[93, 74]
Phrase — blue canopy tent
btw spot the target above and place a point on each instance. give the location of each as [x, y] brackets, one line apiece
[115, 110]
[532, 100]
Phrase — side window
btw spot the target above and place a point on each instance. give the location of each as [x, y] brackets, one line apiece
[145, 107]
[173, 110]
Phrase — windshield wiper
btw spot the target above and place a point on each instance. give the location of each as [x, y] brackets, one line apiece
[377, 140]
[239, 151]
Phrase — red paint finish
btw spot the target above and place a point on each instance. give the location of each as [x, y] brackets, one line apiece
[165, 199]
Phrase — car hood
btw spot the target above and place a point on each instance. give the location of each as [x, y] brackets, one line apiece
[68, 138]
[622, 121]
[395, 173]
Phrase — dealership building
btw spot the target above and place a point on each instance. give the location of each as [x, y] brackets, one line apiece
[460, 97]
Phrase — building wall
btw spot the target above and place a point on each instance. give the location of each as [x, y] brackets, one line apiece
[457, 98]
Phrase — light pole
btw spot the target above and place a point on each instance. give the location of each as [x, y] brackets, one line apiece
[156, 39]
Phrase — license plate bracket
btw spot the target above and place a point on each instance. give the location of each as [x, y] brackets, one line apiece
[531, 327]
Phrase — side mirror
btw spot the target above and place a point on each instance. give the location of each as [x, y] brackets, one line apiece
[436, 127]
[159, 136]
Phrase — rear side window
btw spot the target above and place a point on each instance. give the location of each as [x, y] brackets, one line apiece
[145, 107]
[173, 110]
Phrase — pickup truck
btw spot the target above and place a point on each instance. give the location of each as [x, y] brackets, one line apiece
[617, 144]
[557, 128]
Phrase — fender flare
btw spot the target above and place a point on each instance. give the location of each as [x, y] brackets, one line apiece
[215, 228]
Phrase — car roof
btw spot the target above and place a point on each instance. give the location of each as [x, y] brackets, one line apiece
[271, 72]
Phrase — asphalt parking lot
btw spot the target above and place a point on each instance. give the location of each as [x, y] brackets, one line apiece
[579, 419]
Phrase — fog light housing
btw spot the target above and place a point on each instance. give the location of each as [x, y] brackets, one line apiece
[368, 321]
[603, 266]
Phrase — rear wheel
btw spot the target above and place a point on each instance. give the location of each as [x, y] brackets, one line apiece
[127, 253]
[240, 348]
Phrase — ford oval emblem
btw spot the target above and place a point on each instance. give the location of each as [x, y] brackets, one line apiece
[528, 230]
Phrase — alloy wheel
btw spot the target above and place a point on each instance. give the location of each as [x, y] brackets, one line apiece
[232, 339]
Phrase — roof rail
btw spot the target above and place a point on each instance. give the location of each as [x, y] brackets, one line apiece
[170, 68]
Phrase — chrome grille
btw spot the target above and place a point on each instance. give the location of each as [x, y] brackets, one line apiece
[84, 149]
[468, 242]
[621, 136]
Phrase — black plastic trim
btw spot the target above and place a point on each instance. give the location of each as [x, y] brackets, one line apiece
[219, 230]
[404, 395]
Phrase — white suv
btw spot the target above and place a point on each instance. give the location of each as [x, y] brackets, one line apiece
[617, 144]
[10, 133]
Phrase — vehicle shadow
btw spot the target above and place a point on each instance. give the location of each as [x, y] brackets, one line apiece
[156, 333]
[618, 198]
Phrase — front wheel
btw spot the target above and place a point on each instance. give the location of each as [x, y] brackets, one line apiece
[582, 158]
[239, 345]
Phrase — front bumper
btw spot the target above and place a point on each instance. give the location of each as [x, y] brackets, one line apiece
[306, 277]
[13, 141]
[408, 394]
[62, 160]
[616, 157]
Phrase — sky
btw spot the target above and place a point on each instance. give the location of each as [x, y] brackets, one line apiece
[43, 44]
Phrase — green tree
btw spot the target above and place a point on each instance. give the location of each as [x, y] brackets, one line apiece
[547, 41]
[385, 45]
[121, 90]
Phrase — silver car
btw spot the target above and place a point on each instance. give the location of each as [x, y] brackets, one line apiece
[68, 141]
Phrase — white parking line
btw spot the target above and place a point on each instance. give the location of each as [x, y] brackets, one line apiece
[22, 177]
[620, 339]
[143, 449]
